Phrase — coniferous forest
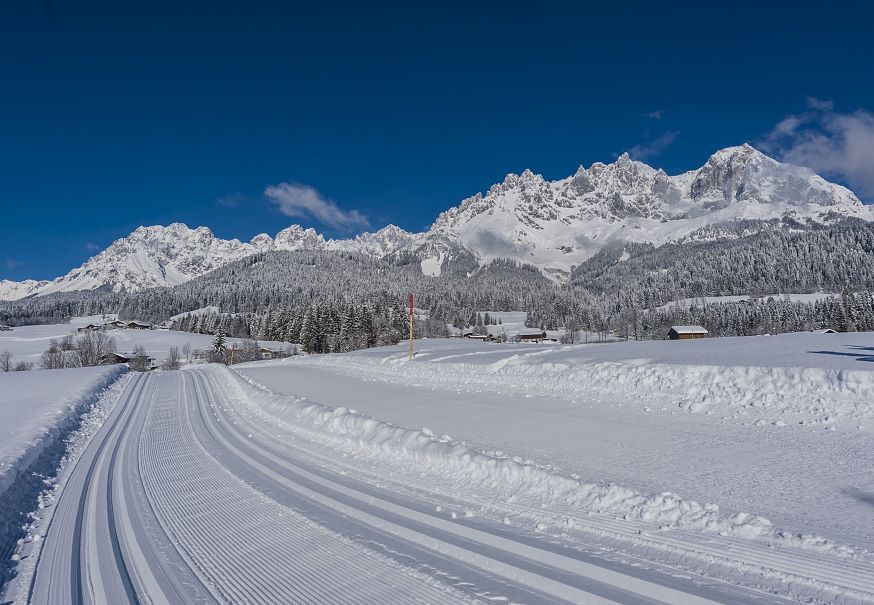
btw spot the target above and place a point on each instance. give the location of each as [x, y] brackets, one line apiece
[341, 301]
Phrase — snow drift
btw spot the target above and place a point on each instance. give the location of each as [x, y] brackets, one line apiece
[453, 467]
[808, 394]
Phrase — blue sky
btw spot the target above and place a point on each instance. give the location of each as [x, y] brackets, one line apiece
[116, 116]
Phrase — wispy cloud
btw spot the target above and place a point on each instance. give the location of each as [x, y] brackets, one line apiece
[654, 115]
[303, 201]
[653, 148]
[12, 263]
[231, 200]
[834, 144]
[92, 247]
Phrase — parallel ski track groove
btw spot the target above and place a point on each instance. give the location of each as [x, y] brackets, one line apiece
[839, 572]
[595, 589]
[216, 519]
[106, 433]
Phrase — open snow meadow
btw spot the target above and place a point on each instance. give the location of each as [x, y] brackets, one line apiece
[777, 426]
[424, 304]
[731, 470]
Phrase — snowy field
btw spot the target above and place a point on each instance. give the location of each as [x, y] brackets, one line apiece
[778, 427]
[699, 301]
[624, 473]
[27, 343]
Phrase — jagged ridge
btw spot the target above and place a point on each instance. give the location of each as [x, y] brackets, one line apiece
[554, 225]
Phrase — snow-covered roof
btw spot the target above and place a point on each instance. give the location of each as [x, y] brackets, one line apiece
[689, 329]
[530, 332]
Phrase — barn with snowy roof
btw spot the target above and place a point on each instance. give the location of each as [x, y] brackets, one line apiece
[686, 332]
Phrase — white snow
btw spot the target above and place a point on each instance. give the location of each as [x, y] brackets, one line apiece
[195, 313]
[755, 441]
[433, 265]
[700, 301]
[27, 343]
[96, 320]
[554, 225]
[36, 406]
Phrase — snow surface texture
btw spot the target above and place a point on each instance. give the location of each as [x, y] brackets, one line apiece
[701, 301]
[27, 343]
[800, 455]
[528, 495]
[36, 407]
[202, 487]
[552, 224]
[43, 487]
[362, 435]
[558, 224]
[836, 382]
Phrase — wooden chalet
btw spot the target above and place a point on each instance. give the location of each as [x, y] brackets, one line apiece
[532, 336]
[114, 358]
[138, 325]
[687, 332]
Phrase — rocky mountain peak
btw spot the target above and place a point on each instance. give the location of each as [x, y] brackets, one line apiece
[552, 224]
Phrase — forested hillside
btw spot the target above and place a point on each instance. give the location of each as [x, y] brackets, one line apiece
[332, 301]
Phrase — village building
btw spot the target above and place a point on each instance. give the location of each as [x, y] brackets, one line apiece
[138, 325]
[5, 328]
[687, 332]
[114, 325]
[269, 353]
[114, 358]
[532, 336]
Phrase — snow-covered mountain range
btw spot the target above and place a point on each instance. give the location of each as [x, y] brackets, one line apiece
[554, 225]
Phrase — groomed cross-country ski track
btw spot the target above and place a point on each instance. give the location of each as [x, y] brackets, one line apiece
[191, 493]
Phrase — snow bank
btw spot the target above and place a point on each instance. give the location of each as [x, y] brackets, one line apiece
[458, 468]
[814, 394]
[40, 411]
[38, 407]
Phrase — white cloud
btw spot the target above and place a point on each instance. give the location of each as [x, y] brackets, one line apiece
[834, 144]
[303, 201]
[654, 115]
[653, 148]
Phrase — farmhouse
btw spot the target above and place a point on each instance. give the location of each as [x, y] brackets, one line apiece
[137, 325]
[114, 325]
[113, 358]
[532, 335]
[266, 353]
[686, 332]
[5, 328]
[478, 336]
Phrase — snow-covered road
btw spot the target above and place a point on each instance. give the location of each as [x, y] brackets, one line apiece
[202, 488]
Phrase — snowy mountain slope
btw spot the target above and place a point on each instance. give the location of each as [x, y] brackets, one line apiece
[558, 224]
[13, 290]
[150, 257]
[167, 256]
[554, 225]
